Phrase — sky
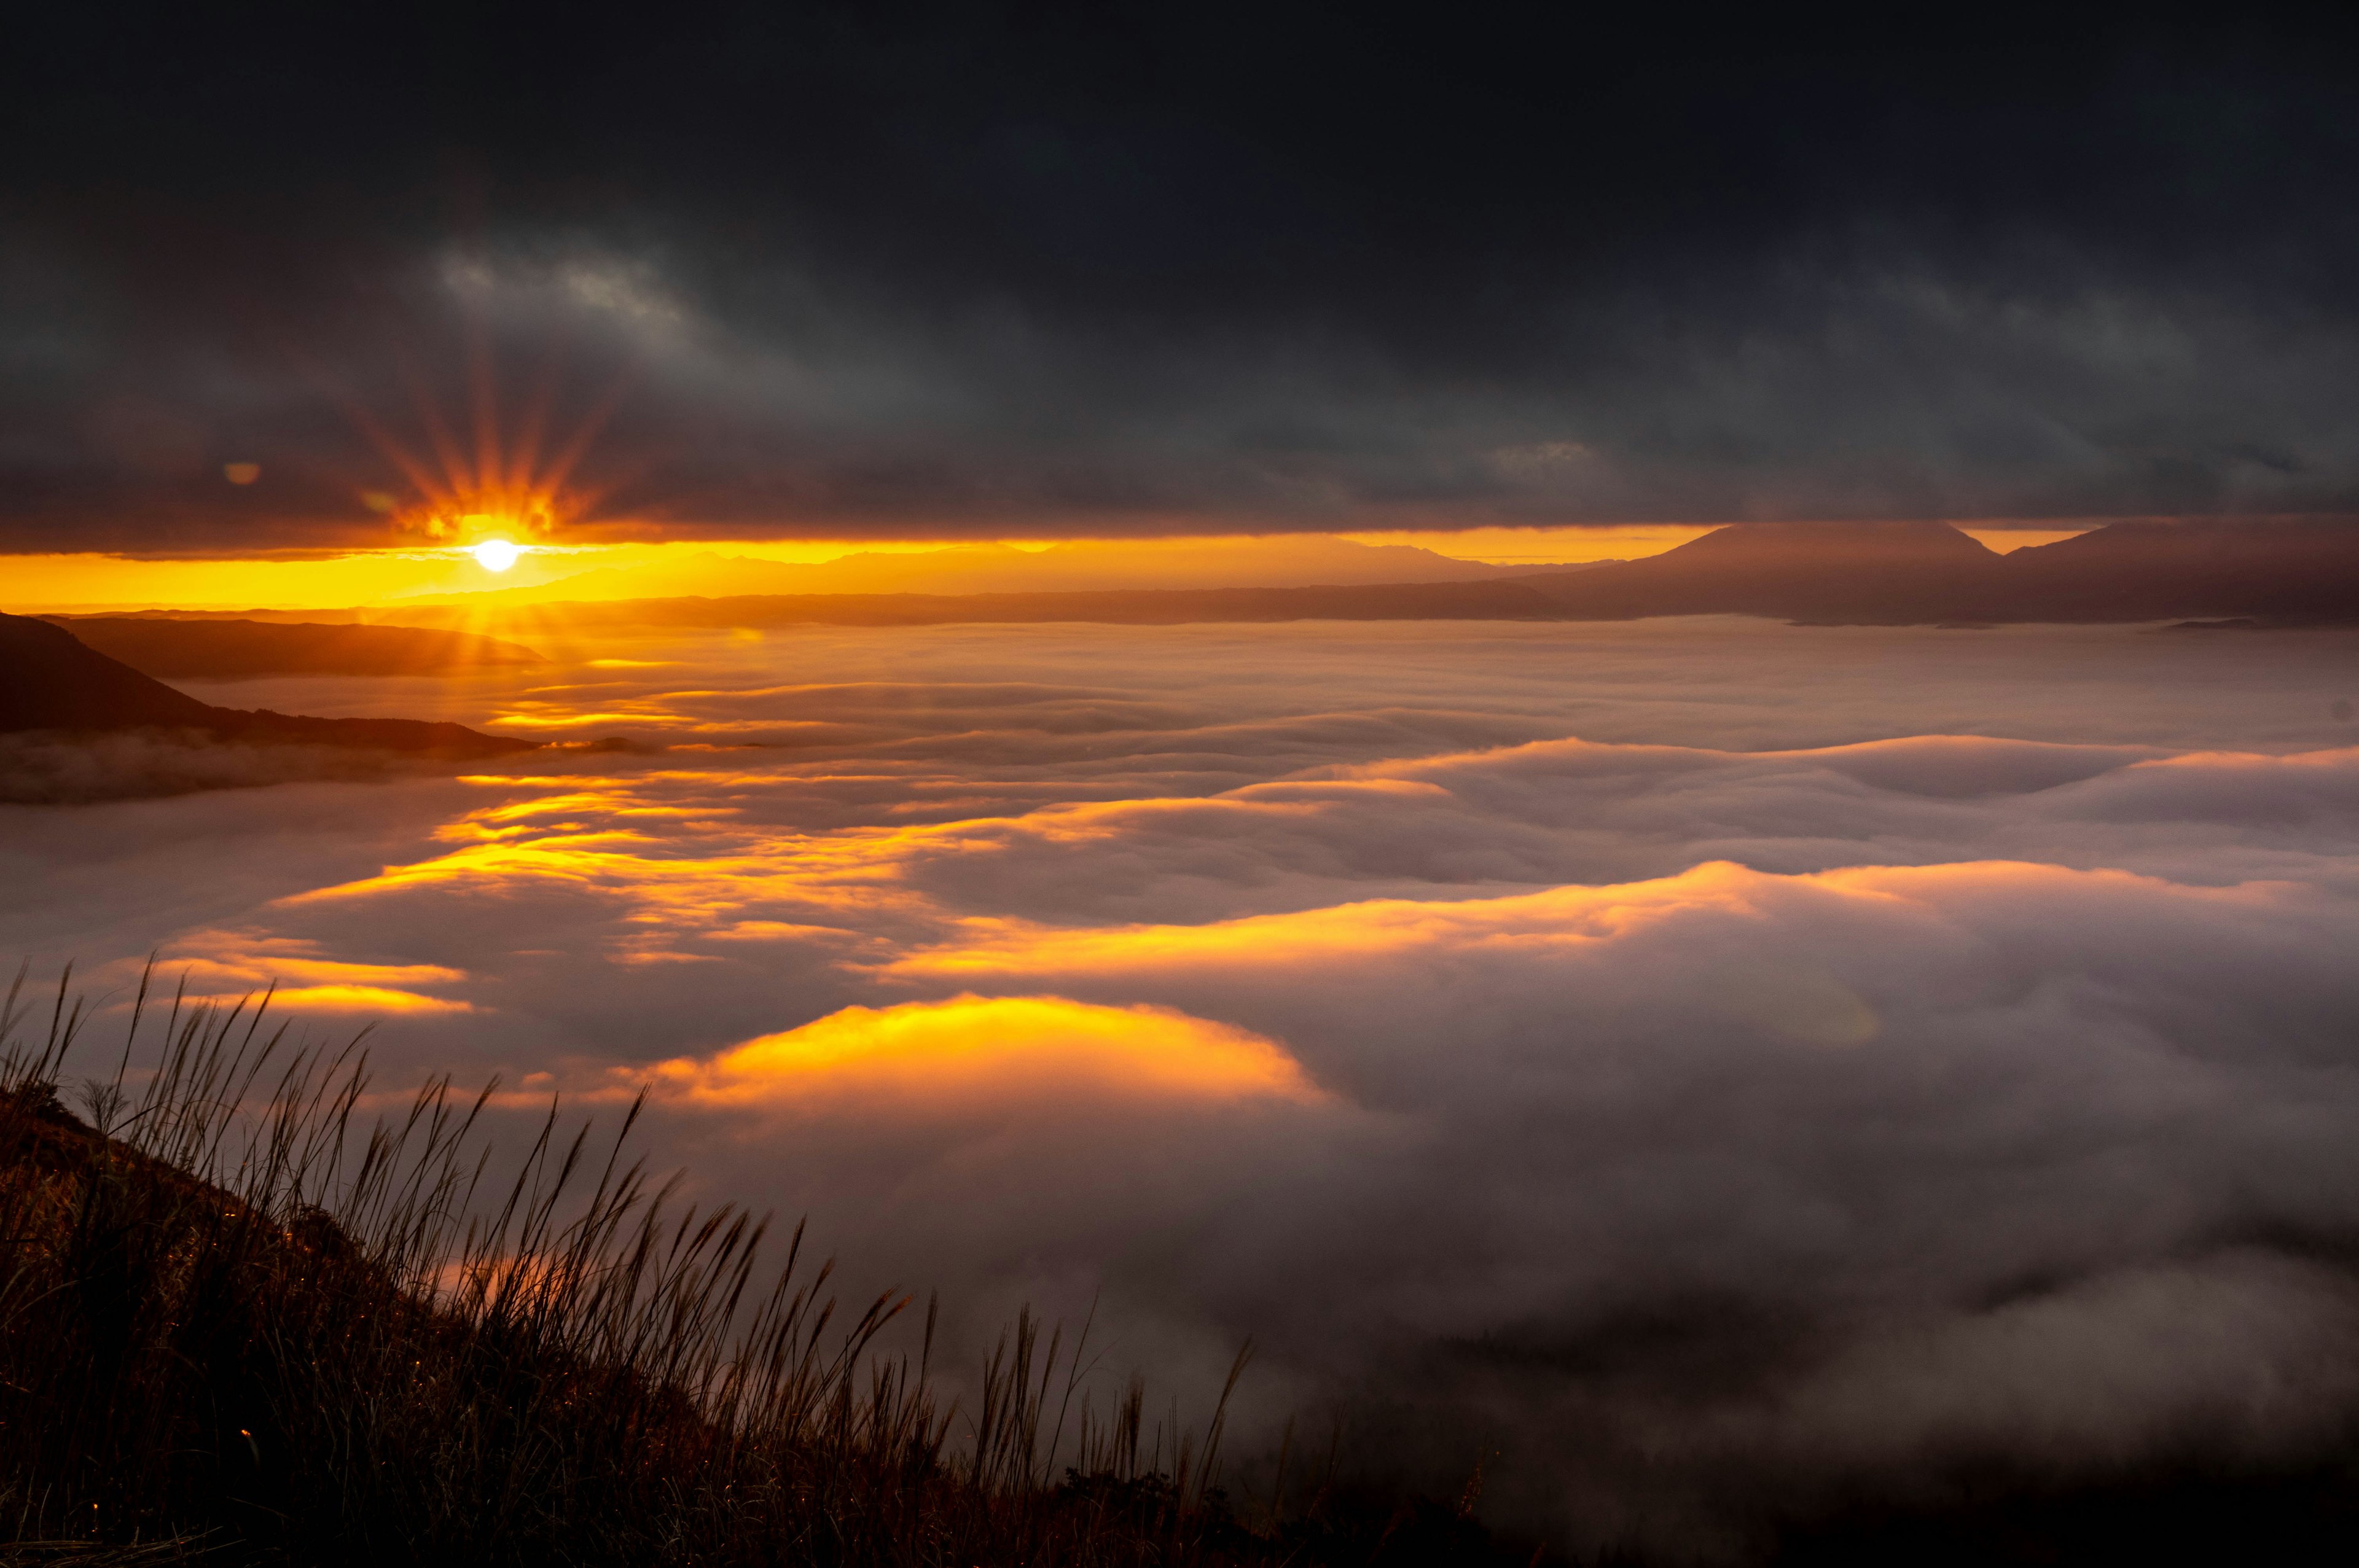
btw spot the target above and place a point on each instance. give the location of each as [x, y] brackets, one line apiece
[1717, 1068]
[424, 571]
[958, 272]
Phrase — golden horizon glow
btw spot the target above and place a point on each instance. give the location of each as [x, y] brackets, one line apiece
[379, 579]
[385, 579]
[352, 580]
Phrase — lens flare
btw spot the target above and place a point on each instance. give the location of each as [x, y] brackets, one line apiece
[496, 555]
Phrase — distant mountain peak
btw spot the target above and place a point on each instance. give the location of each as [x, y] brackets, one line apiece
[1834, 540]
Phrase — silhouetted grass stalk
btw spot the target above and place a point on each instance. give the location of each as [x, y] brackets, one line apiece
[231, 1317]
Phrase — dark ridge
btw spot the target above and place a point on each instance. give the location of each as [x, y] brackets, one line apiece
[2291, 573]
[423, 737]
[1921, 573]
[51, 681]
[1876, 572]
[353, 616]
[166, 647]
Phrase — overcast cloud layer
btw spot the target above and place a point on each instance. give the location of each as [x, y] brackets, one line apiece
[978, 271]
[1715, 1064]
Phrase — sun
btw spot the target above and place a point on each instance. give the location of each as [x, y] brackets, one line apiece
[496, 555]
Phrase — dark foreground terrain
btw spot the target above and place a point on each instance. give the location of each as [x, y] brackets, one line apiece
[289, 1339]
[274, 1336]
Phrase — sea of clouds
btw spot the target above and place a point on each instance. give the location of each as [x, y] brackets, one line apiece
[1694, 1069]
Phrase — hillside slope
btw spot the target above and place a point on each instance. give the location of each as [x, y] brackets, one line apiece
[169, 647]
[229, 1344]
[51, 681]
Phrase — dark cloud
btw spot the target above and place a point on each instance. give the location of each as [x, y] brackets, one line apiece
[982, 269]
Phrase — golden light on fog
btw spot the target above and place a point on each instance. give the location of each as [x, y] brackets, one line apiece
[496, 555]
[972, 1047]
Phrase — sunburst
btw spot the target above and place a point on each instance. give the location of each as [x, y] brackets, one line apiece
[491, 497]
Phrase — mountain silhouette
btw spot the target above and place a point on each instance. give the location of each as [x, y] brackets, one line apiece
[1798, 571]
[2283, 571]
[50, 680]
[170, 646]
[1915, 573]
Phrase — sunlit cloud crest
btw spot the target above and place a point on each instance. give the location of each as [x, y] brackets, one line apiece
[974, 1048]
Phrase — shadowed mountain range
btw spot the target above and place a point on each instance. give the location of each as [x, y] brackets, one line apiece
[1914, 573]
[169, 647]
[50, 681]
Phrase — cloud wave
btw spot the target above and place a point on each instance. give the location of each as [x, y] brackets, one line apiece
[1720, 1067]
[974, 1049]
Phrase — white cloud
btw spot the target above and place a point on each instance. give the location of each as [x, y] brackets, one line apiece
[1682, 1052]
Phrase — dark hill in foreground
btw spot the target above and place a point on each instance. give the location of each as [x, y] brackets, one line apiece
[203, 1365]
[169, 647]
[50, 681]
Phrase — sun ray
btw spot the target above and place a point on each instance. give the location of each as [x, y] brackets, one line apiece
[490, 502]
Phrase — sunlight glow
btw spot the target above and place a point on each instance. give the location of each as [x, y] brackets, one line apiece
[448, 571]
[496, 555]
[971, 1047]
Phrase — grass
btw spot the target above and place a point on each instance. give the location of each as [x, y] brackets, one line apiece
[238, 1325]
[241, 1324]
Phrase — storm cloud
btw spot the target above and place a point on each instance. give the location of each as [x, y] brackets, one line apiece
[954, 272]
